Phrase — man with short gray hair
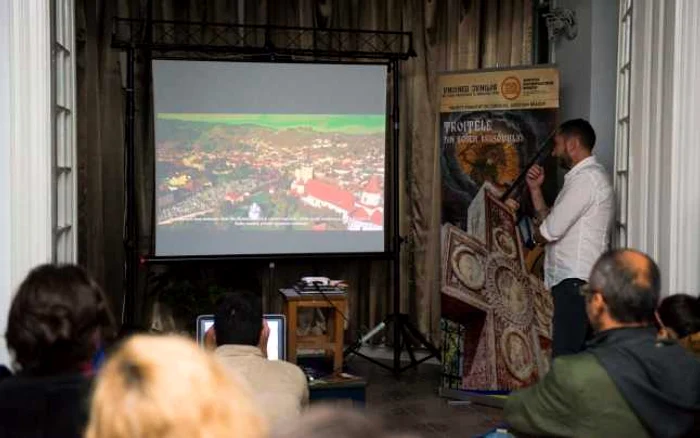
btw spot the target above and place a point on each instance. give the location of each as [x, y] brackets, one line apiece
[626, 383]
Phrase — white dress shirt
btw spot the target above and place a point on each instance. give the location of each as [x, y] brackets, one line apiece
[578, 225]
[280, 388]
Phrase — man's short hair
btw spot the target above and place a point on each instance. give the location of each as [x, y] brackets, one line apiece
[238, 318]
[57, 317]
[631, 289]
[580, 129]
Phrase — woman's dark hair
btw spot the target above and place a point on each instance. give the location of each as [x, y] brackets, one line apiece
[57, 319]
[681, 313]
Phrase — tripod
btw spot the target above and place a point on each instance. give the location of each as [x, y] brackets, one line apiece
[404, 330]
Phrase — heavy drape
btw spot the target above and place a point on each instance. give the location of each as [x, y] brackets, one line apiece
[448, 34]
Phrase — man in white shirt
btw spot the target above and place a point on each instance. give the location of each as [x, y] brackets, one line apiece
[240, 333]
[575, 230]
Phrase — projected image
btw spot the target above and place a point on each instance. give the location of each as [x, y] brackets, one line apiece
[269, 158]
[271, 171]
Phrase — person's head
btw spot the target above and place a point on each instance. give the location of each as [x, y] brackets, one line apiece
[333, 422]
[238, 319]
[623, 290]
[57, 321]
[167, 387]
[678, 316]
[573, 142]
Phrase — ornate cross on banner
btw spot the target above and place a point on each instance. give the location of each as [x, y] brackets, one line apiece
[502, 311]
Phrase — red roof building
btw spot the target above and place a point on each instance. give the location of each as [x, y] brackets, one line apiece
[330, 193]
[373, 185]
[233, 197]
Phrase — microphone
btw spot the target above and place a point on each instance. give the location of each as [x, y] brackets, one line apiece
[540, 157]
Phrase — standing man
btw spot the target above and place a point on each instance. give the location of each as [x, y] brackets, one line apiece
[575, 230]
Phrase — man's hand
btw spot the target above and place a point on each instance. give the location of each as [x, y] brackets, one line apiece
[535, 177]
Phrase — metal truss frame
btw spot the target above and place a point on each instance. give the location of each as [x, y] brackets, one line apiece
[167, 36]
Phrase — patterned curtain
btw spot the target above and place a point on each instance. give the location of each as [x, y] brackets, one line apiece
[448, 35]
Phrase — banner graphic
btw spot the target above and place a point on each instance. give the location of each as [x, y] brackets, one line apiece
[496, 314]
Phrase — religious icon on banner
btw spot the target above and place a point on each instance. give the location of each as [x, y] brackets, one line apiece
[491, 125]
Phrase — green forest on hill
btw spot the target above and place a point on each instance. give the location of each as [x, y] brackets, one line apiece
[340, 123]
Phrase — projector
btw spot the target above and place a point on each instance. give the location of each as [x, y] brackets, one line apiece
[323, 285]
[321, 281]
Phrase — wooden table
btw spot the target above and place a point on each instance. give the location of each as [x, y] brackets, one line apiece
[332, 341]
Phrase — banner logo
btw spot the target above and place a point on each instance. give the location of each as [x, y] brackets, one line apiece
[510, 88]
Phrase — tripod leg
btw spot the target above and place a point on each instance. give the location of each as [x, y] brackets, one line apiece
[408, 344]
[372, 333]
[417, 334]
[397, 343]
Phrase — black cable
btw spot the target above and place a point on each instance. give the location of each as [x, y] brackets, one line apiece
[323, 294]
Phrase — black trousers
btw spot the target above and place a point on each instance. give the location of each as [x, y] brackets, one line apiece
[570, 325]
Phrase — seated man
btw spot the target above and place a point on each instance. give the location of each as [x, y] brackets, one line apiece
[241, 335]
[626, 383]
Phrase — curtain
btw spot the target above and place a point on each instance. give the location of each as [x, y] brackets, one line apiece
[448, 35]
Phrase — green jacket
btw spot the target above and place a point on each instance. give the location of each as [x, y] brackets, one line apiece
[577, 398]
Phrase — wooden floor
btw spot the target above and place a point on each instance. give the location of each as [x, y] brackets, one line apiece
[412, 404]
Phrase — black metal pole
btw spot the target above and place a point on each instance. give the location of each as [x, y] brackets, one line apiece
[130, 232]
[396, 215]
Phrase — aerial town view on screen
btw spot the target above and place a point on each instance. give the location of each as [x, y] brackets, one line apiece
[270, 171]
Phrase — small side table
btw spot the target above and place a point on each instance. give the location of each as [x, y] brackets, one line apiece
[332, 341]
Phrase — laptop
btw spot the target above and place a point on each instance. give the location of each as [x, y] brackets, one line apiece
[276, 343]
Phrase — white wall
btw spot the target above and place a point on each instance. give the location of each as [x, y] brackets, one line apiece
[664, 157]
[587, 66]
[5, 290]
[26, 149]
[604, 24]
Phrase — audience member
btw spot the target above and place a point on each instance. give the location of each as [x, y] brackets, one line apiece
[678, 317]
[241, 334]
[57, 322]
[167, 387]
[329, 422]
[627, 383]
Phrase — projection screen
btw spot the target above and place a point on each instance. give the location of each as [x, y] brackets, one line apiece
[269, 158]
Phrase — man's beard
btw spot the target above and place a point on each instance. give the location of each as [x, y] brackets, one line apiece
[565, 162]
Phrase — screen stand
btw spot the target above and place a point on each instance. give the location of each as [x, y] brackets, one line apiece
[406, 335]
[409, 336]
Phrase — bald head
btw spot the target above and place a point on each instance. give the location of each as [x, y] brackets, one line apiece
[630, 283]
[638, 264]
